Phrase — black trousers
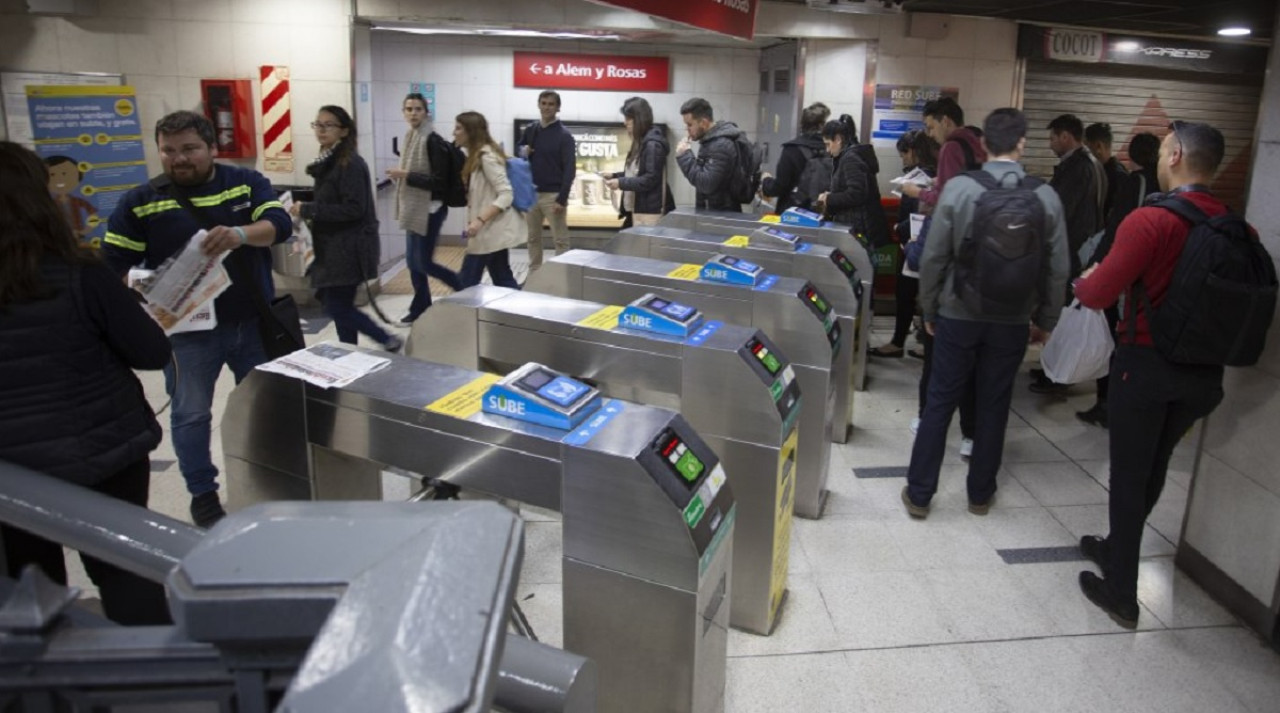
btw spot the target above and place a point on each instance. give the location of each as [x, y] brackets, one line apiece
[1153, 404]
[968, 399]
[904, 295]
[1112, 314]
[126, 598]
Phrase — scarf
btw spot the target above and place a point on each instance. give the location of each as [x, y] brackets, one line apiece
[413, 205]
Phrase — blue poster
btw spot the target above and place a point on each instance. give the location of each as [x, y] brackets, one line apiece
[90, 137]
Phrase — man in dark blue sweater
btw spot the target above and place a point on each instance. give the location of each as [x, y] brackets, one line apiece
[149, 226]
[551, 151]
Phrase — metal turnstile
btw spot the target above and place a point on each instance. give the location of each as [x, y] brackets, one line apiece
[648, 517]
[792, 312]
[731, 383]
[830, 234]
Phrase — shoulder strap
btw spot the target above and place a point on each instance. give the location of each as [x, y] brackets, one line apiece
[984, 179]
[1184, 209]
[970, 162]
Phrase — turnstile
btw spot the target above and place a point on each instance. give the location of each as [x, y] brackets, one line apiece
[834, 235]
[731, 383]
[837, 263]
[792, 312]
[648, 517]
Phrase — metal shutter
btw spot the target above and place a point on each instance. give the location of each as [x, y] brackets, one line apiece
[1134, 100]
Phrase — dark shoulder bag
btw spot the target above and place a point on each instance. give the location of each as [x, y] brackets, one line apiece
[279, 324]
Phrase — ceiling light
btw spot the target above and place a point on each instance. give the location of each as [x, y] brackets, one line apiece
[1235, 31]
[1126, 46]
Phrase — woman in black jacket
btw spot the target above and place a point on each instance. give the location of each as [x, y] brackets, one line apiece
[854, 196]
[70, 406]
[646, 195]
[344, 227]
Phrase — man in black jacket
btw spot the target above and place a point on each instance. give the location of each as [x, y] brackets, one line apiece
[794, 161]
[1098, 138]
[712, 171]
[552, 152]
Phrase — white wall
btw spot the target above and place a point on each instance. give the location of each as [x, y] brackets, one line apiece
[475, 74]
[164, 47]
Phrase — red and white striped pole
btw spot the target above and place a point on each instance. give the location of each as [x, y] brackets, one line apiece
[277, 134]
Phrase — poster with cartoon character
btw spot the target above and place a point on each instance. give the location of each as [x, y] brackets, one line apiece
[90, 138]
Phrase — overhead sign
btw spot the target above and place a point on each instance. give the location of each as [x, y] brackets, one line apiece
[728, 17]
[545, 70]
[1071, 45]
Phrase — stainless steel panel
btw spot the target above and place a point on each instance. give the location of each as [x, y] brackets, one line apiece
[818, 390]
[338, 476]
[641, 676]
[265, 424]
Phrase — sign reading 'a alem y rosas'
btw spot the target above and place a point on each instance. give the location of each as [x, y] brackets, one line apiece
[728, 17]
[543, 70]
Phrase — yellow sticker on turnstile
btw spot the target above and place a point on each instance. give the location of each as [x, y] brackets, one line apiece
[687, 271]
[606, 318]
[464, 401]
[738, 241]
[771, 218]
[782, 526]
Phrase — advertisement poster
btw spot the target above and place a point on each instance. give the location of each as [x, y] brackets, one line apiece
[898, 107]
[91, 140]
[601, 151]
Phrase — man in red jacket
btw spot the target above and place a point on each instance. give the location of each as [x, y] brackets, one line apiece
[1153, 401]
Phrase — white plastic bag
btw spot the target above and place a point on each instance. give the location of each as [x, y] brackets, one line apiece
[1080, 347]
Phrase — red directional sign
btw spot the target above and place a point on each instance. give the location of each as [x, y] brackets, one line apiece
[729, 17]
[543, 70]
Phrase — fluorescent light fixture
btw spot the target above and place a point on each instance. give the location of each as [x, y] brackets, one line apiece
[1126, 46]
[1235, 31]
[499, 32]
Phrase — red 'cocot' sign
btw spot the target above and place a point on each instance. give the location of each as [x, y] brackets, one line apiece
[729, 17]
[542, 70]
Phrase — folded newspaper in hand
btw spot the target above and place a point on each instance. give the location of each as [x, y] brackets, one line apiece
[916, 176]
[326, 365]
[182, 285]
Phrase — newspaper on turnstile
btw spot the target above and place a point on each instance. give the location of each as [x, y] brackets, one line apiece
[181, 291]
[326, 365]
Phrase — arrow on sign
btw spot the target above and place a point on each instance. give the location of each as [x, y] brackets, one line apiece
[534, 68]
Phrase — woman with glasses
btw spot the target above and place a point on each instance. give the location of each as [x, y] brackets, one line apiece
[70, 405]
[344, 227]
[493, 227]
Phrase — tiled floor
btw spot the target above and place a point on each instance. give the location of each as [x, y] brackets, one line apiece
[890, 614]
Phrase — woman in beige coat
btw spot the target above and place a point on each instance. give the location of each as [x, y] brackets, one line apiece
[493, 226]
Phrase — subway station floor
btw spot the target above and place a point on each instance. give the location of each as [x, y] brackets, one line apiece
[955, 613]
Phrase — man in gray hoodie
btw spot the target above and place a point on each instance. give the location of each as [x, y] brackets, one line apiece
[712, 171]
[980, 315]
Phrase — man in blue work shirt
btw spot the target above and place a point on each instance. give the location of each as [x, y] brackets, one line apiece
[149, 226]
[552, 153]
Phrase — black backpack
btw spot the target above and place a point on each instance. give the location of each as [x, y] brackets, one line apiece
[746, 179]
[1002, 259]
[1222, 297]
[815, 178]
[454, 194]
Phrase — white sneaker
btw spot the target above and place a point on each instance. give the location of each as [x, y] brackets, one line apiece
[915, 425]
[966, 447]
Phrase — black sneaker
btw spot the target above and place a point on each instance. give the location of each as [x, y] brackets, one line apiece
[206, 509]
[1043, 385]
[406, 321]
[1096, 416]
[1095, 589]
[1094, 549]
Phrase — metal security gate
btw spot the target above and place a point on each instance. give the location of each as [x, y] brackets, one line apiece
[1138, 99]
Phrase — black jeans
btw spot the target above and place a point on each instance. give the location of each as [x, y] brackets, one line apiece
[986, 355]
[968, 399]
[1153, 404]
[126, 598]
[1112, 314]
[497, 263]
[340, 303]
[904, 293]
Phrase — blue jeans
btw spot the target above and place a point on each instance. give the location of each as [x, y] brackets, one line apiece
[419, 250]
[340, 304]
[197, 361]
[989, 354]
[498, 264]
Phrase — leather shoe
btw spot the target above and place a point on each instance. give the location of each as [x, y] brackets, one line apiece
[1095, 589]
[919, 512]
[981, 508]
[1044, 385]
[1096, 416]
[1094, 549]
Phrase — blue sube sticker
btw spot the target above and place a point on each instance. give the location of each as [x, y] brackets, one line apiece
[703, 334]
[804, 247]
[767, 282]
[587, 430]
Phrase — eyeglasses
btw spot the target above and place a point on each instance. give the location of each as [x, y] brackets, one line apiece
[326, 125]
[1174, 127]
